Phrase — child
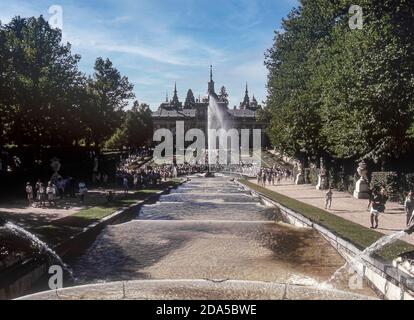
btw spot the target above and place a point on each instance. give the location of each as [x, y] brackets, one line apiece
[328, 198]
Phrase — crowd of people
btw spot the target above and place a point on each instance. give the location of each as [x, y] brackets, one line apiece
[273, 176]
[150, 175]
[41, 194]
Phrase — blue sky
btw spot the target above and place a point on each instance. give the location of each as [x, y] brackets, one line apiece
[158, 42]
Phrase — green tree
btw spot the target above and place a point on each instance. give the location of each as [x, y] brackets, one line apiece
[108, 94]
[190, 100]
[223, 95]
[343, 93]
[42, 79]
[136, 129]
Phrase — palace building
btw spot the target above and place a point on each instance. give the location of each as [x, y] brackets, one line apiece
[194, 112]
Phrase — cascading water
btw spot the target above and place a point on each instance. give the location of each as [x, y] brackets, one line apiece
[19, 231]
[382, 242]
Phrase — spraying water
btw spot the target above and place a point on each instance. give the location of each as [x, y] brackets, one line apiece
[38, 244]
[216, 122]
[382, 242]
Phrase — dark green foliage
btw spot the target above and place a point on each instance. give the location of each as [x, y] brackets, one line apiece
[190, 100]
[390, 180]
[45, 101]
[342, 93]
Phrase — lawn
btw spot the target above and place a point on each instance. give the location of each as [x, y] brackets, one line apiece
[358, 235]
[61, 229]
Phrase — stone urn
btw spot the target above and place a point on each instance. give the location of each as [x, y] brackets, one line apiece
[362, 185]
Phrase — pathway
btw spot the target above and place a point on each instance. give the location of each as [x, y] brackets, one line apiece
[346, 206]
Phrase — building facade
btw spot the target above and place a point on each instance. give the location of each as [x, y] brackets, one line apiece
[194, 112]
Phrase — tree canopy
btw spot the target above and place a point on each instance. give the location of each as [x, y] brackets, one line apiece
[46, 101]
[339, 92]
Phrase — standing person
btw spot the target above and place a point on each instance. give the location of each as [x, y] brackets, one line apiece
[409, 207]
[125, 184]
[41, 194]
[37, 187]
[82, 190]
[29, 193]
[61, 187]
[328, 198]
[379, 201]
[51, 192]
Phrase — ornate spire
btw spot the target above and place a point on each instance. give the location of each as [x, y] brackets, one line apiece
[166, 97]
[246, 100]
[211, 83]
[175, 101]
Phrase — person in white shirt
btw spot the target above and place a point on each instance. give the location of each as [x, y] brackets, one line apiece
[51, 192]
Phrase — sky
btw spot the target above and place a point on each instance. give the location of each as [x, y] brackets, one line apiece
[156, 43]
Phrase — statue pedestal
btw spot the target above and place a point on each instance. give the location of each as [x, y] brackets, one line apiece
[321, 183]
[361, 189]
[300, 179]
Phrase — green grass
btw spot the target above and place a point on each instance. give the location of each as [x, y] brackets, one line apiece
[59, 230]
[358, 235]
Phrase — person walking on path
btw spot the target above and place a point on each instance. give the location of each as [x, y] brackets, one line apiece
[29, 193]
[409, 207]
[328, 198]
[125, 183]
[379, 201]
[83, 190]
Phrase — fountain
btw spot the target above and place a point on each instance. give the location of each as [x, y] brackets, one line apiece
[217, 125]
[39, 244]
[379, 244]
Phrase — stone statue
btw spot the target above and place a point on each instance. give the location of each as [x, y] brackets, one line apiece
[321, 176]
[300, 179]
[362, 186]
[362, 170]
[55, 165]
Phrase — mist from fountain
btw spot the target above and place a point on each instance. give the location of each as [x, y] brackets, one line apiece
[381, 243]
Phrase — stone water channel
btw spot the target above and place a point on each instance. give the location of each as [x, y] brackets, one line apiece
[210, 229]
